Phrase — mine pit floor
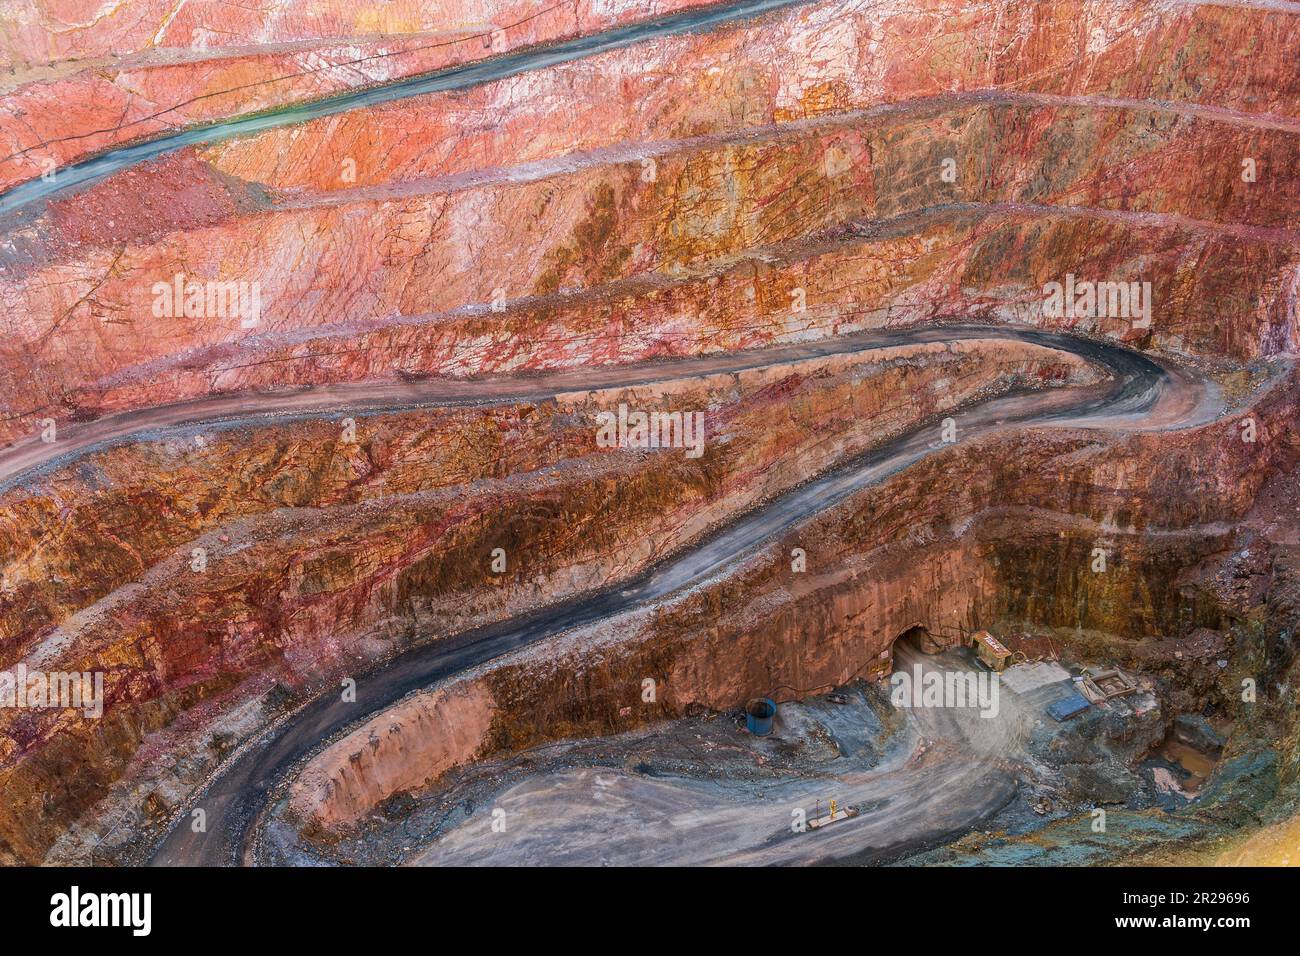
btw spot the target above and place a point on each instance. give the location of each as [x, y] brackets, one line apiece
[703, 790]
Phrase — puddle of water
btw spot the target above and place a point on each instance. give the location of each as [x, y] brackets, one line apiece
[1190, 759]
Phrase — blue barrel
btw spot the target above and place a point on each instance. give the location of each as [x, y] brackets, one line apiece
[759, 714]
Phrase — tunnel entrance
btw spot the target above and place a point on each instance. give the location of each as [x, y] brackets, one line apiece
[918, 638]
[910, 644]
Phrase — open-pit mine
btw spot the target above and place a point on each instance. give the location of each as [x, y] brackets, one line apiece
[649, 433]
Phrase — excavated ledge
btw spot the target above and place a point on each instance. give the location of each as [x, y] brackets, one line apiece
[465, 232]
[343, 573]
[992, 554]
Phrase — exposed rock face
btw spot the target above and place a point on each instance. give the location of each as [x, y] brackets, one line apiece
[1001, 548]
[327, 555]
[703, 249]
[427, 735]
[951, 543]
[790, 179]
[146, 67]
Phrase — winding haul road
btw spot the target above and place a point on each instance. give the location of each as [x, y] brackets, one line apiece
[1136, 393]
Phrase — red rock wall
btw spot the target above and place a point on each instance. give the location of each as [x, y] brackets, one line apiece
[81, 84]
[322, 560]
[954, 544]
[1139, 167]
